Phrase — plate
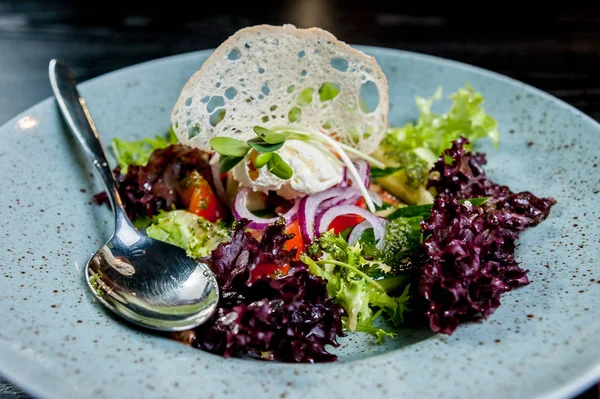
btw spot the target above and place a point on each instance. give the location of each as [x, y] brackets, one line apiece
[56, 341]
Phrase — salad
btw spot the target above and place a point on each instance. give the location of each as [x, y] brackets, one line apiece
[319, 219]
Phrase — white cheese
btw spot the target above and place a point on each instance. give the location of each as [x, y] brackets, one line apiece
[314, 170]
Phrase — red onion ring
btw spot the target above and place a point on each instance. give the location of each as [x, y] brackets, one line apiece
[344, 181]
[379, 224]
[216, 176]
[366, 173]
[358, 231]
[240, 211]
[375, 198]
[309, 206]
[352, 193]
[351, 197]
[364, 169]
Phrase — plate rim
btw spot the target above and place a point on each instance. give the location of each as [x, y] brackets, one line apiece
[365, 48]
[571, 388]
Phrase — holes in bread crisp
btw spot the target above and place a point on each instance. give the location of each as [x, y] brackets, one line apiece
[218, 84]
[217, 116]
[176, 125]
[265, 89]
[294, 114]
[291, 88]
[354, 136]
[215, 102]
[260, 96]
[303, 72]
[230, 93]
[369, 97]
[233, 55]
[265, 119]
[328, 91]
[193, 131]
[188, 122]
[188, 102]
[341, 64]
[367, 133]
[205, 99]
[261, 70]
[273, 108]
[305, 97]
[301, 53]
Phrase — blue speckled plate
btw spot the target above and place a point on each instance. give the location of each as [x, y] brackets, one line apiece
[56, 341]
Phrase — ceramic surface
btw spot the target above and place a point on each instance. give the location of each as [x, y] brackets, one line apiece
[56, 341]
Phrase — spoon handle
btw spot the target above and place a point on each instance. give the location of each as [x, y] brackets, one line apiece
[75, 112]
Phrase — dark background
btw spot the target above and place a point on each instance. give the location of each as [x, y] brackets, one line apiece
[556, 49]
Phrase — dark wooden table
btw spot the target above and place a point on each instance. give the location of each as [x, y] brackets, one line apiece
[556, 50]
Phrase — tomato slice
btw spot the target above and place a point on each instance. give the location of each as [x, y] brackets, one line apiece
[270, 269]
[343, 222]
[361, 203]
[186, 188]
[195, 192]
[296, 241]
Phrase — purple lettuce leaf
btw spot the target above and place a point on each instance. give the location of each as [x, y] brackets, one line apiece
[147, 189]
[464, 177]
[290, 318]
[471, 250]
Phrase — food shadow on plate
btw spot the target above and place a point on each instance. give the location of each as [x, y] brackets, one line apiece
[359, 345]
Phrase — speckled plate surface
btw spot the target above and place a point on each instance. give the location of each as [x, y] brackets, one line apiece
[57, 342]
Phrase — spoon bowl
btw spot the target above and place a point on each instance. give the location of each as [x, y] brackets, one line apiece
[146, 281]
[151, 283]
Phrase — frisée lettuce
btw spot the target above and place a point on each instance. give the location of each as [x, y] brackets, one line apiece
[363, 298]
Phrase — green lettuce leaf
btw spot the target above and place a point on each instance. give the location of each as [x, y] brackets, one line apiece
[411, 150]
[344, 268]
[394, 307]
[368, 326]
[195, 234]
[138, 152]
[354, 296]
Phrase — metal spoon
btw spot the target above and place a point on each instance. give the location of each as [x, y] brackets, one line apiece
[148, 282]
